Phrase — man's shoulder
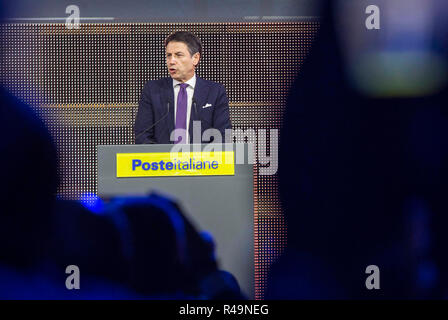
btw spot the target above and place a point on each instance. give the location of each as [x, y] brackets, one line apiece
[158, 83]
[211, 84]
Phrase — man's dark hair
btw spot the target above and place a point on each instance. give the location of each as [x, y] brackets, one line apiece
[193, 43]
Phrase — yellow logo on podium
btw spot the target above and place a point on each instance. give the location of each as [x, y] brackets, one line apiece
[166, 164]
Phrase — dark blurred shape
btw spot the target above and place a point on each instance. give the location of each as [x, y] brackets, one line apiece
[90, 241]
[167, 257]
[93, 243]
[29, 179]
[352, 166]
[220, 285]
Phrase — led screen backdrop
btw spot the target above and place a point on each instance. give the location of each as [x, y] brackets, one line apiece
[85, 84]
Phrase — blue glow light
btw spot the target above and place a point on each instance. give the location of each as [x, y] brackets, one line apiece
[92, 202]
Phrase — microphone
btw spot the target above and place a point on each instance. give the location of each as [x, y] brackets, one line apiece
[194, 105]
[199, 116]
[154, 124]
[196, 111]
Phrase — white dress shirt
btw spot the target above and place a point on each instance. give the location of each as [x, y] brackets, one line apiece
[190, 91]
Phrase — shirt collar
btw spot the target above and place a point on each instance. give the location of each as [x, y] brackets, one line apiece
[191, 82]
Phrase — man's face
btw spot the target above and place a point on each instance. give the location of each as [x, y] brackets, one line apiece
[180, 62]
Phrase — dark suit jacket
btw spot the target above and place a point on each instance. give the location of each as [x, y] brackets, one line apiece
[155, 117]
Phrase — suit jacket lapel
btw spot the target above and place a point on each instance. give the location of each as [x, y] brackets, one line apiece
[200, 96]
[168, 97]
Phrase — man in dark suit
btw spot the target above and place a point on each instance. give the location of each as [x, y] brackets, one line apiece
[168, 106]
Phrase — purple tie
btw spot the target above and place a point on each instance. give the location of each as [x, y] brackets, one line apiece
[181, 112]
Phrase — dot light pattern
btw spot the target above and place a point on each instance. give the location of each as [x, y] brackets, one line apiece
[85, 84]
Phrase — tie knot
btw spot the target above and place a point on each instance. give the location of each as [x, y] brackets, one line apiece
[183, 85]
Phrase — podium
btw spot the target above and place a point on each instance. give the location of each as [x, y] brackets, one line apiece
[221, 203]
